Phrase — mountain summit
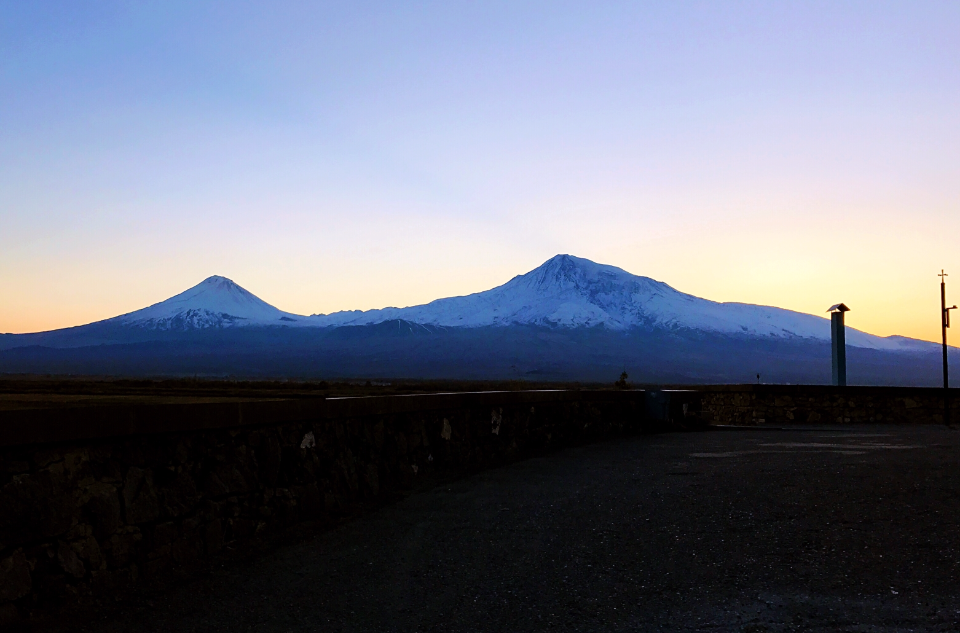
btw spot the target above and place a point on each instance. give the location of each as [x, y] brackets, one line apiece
[565, 291]
[568, 291]
[215, 302]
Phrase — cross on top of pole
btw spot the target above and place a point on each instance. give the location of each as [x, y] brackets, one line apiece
[943, 275]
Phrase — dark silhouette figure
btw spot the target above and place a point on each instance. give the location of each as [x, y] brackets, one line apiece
[622, 381]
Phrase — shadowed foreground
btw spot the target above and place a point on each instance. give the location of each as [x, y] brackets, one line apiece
[752, 530]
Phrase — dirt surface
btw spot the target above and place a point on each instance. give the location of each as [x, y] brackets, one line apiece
[14, 402]
[852, 529]
[45, 392]
[40, 392]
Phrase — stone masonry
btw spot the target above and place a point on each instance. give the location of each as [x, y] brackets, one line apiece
[83, 518]
[808, 404]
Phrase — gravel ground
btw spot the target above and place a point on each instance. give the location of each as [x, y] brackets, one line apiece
[852, 529]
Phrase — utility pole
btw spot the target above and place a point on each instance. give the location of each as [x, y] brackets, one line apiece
[944, 324]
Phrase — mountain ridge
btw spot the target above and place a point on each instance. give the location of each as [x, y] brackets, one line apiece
[568, 291]
[564, 292]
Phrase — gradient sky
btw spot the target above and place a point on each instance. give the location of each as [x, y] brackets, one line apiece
[331, 156]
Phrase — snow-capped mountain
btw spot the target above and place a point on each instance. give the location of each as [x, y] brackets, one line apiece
[216, 302]
[569, 319]
[569, 291]
[564, 292]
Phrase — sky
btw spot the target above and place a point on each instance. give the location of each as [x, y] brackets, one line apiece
[332, 156]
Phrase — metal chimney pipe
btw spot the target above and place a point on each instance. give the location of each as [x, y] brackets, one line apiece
[838, 344]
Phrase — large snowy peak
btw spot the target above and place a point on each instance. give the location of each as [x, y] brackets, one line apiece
[565, 291]
[216, 302]
[568, 291]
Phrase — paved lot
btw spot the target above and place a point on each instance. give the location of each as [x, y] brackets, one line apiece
[856, 529]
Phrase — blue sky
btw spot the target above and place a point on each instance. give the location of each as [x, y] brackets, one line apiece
[335, 156]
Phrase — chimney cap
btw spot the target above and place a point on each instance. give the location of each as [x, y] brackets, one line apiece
[838, 308]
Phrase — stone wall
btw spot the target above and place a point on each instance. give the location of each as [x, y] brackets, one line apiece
[806, 404]
[94, 500]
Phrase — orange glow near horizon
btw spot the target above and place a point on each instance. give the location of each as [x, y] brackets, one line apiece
[887, 275]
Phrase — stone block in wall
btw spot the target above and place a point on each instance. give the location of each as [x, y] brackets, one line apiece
[139, 496]
[372, 480]
[309, 500]
[157, 565]
[101, 465]
[88, 550]
[9, 615]
[122, 548]
[53, 588]
[184, 450]
[143, 454]
[179, 496]
[224, 479]
[346, 465]
[69, 561]
[413, 437]
[240, 529]
[213, 536]
[36, 505]
[189, 546]
[14, 466]
[108, 580]
[285, 506]
[292, 434]
[101, 509]
[47, 456]
[268, 455]
[160, 537]
[290, 470]
[15, 581]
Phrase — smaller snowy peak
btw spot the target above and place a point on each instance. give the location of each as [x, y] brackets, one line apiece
[216, 302]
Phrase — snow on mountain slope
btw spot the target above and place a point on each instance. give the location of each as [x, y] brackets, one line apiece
[569, 291]
[216, 302]
[565, 291]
